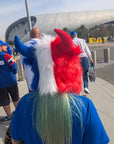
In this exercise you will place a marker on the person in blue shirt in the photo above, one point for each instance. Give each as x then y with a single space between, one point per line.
8 81
29 61
54 114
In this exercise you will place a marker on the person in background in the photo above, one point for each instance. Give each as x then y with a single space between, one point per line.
8 82
84 56
52 114
31 71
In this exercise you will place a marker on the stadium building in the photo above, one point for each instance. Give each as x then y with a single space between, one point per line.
47 22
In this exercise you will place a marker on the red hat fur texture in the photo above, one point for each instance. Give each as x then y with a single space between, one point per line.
59 64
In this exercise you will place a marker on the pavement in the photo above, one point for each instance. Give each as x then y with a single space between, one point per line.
101 93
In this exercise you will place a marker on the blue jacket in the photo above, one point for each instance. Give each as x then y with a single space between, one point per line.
8 70
92 130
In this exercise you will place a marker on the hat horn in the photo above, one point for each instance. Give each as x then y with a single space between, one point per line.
22 49
66 42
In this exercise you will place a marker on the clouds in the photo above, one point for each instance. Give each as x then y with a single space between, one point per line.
41 7
11 8
97 5
54 6
86 5
10 11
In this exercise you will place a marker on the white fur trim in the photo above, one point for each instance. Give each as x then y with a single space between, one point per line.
47 82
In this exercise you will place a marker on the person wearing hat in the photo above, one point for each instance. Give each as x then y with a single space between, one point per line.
54 113
8 82
84 56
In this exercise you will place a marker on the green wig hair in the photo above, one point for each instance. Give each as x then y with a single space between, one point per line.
54 119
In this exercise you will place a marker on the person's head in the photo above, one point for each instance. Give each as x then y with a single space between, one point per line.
35 33
3 46
73 34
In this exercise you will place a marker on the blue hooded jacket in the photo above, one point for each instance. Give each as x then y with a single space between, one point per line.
8 70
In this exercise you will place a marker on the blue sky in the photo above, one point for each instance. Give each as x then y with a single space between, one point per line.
12 10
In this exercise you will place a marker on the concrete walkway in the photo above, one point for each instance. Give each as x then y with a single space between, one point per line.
102 95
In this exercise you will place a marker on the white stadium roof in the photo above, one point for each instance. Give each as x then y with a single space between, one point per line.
47 22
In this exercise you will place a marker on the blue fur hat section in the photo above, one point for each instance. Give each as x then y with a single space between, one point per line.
22 49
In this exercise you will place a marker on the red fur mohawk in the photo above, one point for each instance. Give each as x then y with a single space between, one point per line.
67 68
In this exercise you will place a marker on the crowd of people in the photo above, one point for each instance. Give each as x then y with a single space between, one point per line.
52 112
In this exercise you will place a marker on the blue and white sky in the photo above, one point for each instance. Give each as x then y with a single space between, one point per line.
12 10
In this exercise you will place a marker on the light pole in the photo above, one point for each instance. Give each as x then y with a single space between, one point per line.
29 20
88 36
